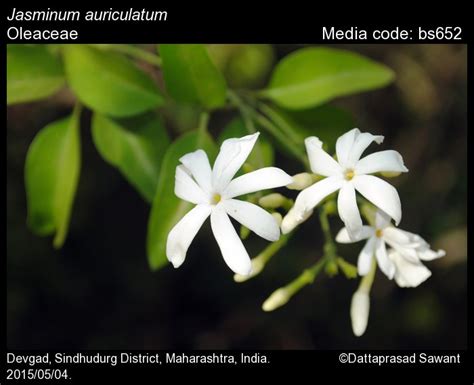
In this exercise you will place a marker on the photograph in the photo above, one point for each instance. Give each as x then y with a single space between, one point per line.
236 197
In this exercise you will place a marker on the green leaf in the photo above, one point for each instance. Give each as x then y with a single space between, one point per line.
32 73
167 209
245 66
108 82
179 117
191 76
312 76
135 146
262 154
51 177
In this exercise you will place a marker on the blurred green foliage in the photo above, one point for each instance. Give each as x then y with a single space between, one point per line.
135 146
190 75
312 76
33 73
109 83
51 177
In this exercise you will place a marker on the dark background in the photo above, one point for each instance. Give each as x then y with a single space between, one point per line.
97 292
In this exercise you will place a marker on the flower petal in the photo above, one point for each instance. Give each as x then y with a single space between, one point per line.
360 307
401 237
320 161
382 161
311 196
410 246
407 252
380 193
385 264
183 233
344 145
382 220
408 274
231 246
364 261
262 179
197 163
361 142
186 188
348 210
343 235
254 218
293 219
232 155
426 254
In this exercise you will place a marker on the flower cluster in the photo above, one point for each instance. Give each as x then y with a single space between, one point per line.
399 254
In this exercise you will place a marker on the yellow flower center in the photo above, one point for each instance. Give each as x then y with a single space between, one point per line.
216 198
378 233
349 174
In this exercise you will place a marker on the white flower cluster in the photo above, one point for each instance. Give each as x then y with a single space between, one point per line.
213 191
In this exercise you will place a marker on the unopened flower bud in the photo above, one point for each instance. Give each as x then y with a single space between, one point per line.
272 201
349 270
301 181
277 217
331 268
360 307
277 299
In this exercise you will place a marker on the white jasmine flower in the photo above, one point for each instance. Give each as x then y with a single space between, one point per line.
213 191
403 262
349 174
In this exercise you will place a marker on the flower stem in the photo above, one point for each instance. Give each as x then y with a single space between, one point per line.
250 114
329 245
295 150
244 110
281 122
273 248
307 276
248 122
368 279
259 262
282 295
131 50
202 127
203 122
